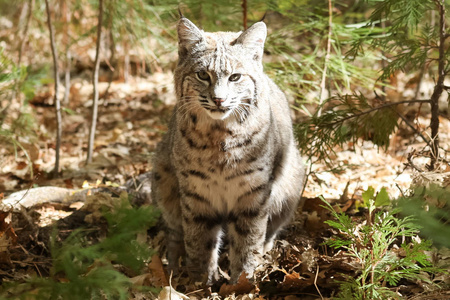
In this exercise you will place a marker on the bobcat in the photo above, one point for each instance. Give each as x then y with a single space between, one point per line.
229 159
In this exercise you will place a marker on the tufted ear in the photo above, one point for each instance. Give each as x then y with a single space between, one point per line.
188 35
253 39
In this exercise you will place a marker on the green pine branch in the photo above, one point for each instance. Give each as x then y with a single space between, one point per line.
345 119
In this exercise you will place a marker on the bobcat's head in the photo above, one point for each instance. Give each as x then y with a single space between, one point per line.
217 72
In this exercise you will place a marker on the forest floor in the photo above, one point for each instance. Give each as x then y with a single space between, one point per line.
132 119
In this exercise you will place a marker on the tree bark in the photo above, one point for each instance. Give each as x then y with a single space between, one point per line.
95 84
57 85
112 49
126 62
244 13
67 14
327 57
439 87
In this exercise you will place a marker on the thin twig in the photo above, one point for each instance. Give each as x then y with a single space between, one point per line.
307 176
315 282
112 48
194 292
411 163
439 87
26 193
170 284
126 62
95 85
419 81
68 15
57 85
374 109
37 268
400 189
414 128
327 57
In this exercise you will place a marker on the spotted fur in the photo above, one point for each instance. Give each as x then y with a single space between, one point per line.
229 159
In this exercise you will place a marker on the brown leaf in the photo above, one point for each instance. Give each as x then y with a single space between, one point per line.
142 280
69 183
291 297
21 165
243 286
313 204
7 234
309 258
168 293
293 281
349 203
159 275
313 223
8 237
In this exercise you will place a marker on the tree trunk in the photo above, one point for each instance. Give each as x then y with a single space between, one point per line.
439 87
68 54
327 57
126 62
112 48
95 84
244 13
57 85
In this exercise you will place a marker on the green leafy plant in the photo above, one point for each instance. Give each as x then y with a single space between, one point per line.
431 207
370 244
379 199
82 270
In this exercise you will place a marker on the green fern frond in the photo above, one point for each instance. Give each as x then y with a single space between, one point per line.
371 244
82 270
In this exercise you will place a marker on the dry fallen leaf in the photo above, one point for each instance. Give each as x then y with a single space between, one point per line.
8 236
309 258
168 293
159 275
243 286
293 281
142 280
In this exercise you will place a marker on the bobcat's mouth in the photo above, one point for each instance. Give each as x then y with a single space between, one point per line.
218 113
222 110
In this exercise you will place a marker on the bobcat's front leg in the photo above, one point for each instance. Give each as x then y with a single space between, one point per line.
247 232
202 233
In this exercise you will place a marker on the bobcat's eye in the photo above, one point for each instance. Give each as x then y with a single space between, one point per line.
234 77
203 75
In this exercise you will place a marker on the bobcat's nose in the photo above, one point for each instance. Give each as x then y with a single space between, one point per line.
218 101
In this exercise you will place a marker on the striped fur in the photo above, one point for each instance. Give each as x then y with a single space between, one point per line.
229 159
